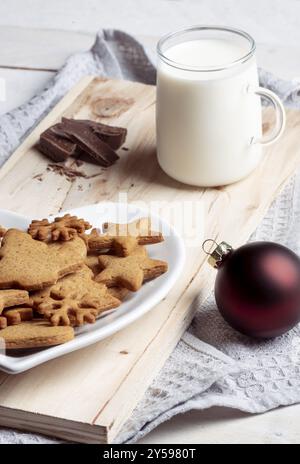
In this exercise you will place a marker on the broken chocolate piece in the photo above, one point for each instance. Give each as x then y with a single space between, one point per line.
55 146
81 137
112 135
59 133
84 136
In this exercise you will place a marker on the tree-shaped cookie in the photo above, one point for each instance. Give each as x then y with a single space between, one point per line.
130 271
123 238
10 298
74 300
62 228
28 264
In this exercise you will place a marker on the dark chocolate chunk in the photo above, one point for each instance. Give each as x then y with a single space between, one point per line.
112 135
55 130
56 147
83 135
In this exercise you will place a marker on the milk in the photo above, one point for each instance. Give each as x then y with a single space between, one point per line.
206 52
208 121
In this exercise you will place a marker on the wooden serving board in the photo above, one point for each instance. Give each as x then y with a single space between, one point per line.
88 395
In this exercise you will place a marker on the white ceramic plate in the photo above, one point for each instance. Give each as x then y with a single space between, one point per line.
135 306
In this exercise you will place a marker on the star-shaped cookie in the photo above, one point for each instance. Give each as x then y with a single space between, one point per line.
123 238
130 271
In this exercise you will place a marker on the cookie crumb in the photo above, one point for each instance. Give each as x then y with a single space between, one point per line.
124 352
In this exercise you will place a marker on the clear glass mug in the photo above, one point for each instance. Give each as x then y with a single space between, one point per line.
209 118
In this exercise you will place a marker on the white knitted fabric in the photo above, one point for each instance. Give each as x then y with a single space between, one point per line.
212 365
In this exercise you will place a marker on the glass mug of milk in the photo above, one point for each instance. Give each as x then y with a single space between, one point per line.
209 114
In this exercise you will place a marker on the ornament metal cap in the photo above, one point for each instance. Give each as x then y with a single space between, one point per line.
216 256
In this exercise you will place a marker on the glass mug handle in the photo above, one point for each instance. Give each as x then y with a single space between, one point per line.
279 113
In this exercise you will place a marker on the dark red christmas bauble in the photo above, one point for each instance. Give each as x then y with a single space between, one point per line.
257 289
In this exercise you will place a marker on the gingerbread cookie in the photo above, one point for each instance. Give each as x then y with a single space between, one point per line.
92 262
123 238
62 228
118 292
74 300
130 271
17 315
3 322
2 231
31 265
35 334
10 298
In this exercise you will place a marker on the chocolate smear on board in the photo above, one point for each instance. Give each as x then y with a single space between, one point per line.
111 107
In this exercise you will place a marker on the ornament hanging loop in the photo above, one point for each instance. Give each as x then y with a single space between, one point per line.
217 255
208 240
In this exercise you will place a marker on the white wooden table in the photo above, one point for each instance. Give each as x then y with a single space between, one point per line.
36 37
